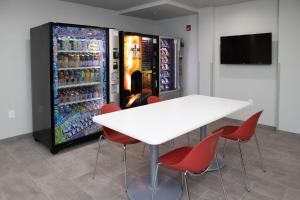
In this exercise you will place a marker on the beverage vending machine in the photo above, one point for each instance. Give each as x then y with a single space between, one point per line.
138 68
69 70
169 68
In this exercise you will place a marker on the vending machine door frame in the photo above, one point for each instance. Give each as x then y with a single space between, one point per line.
56 147
164 95
155 67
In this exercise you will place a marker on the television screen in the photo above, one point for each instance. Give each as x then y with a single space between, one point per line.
247 49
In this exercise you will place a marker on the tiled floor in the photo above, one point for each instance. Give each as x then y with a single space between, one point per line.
29 172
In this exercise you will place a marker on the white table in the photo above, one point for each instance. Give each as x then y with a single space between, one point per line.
158 123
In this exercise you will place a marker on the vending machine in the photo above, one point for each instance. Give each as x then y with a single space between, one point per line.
114 67
138 68
69 70
169 68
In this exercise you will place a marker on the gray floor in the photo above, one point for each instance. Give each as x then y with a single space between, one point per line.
29 171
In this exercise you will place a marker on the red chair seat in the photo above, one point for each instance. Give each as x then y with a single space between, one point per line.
118 137
227 132
174 156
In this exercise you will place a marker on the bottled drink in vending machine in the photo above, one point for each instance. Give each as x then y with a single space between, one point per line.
82 77
65 60
71 60
96 59
87 75
77 60
97 75
92 78
82 58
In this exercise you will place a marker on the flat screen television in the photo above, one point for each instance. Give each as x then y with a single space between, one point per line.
247 49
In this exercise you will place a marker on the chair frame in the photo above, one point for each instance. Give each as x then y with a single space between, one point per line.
184 179
244 173
124 162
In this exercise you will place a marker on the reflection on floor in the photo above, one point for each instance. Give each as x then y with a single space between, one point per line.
29 171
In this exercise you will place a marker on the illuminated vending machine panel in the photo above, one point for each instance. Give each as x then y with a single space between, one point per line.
79 73
140 60
69 82
169 86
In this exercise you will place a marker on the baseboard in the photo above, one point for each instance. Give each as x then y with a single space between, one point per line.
25 135
263 126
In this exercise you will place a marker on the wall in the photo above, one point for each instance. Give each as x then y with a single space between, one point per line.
289 53
16 18
176 27
257 82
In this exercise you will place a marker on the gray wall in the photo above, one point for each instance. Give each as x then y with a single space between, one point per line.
289 54
176 27
257 82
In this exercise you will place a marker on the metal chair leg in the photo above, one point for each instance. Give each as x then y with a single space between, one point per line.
186 186
221 177
224 147
244 169
182 180
97 156
125 169
259 153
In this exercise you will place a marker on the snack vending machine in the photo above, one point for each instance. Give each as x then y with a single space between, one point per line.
169 68
69 70
138 68
114 67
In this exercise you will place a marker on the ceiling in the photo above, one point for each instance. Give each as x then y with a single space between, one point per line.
155 9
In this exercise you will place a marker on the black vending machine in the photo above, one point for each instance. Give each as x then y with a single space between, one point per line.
139 62
69 70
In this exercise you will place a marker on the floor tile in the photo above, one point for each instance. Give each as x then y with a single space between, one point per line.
29 171
20 186
292 194
61 188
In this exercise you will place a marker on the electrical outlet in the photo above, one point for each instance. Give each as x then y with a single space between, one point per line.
11 114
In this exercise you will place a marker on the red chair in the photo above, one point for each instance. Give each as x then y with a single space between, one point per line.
193 160
153 99
242 134
114 136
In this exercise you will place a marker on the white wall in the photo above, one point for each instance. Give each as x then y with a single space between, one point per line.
16 19
257 82
176 27
289 54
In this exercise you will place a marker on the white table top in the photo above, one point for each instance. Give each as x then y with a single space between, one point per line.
160 122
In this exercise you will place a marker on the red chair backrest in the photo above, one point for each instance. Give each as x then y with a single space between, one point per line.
200 157
247 129
108 108
153 99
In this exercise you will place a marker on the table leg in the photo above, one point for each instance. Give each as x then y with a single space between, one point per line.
213 166
142 187
202 132
153 162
